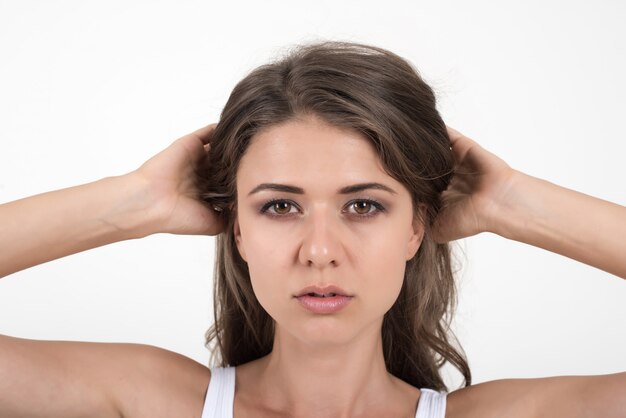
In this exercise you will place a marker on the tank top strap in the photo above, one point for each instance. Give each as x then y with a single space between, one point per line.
431 404
220 395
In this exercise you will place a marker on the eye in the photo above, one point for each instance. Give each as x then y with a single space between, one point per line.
279 207
363 208
366 208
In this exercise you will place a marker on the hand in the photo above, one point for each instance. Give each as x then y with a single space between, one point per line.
170 178
477 190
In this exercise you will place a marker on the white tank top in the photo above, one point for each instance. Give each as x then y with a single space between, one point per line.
220 397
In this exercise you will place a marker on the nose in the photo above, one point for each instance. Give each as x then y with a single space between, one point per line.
321 245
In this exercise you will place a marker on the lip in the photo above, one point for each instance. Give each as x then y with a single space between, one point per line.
320 290
326 305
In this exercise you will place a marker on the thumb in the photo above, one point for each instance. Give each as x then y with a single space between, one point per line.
454 222
440 229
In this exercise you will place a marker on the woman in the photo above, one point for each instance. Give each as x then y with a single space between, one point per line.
333 186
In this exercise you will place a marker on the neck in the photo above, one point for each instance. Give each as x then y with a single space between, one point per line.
329 380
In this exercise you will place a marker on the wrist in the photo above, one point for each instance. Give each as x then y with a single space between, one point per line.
132 213
513 212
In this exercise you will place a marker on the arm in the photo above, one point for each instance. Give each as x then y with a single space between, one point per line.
546 397
566 222
75 379
157 197
45 379
41 379
581 396
55 224
486 195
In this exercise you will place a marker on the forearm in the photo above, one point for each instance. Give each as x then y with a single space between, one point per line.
55 224
566 222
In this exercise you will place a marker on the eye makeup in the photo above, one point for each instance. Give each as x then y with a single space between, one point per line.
374 204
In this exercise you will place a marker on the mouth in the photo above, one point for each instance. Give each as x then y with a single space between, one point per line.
317 303
324 295
328 291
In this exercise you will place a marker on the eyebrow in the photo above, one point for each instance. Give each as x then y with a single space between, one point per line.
298 190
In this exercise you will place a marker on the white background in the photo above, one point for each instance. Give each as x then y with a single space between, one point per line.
93 89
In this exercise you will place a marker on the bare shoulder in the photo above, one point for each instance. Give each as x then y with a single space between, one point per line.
553 397
76 379
161 383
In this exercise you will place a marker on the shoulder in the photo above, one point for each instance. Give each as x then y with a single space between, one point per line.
76 379
512 398
553 397
160 382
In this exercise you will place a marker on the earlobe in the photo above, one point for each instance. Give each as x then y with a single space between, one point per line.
414 244
417 234
237 234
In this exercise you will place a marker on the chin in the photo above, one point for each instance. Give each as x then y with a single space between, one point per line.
321 330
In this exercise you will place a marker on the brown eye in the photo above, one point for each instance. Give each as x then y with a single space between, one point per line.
362 207
365 208
282 207
278 208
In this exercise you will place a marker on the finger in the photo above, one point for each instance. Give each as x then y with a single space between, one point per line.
453 134
205 134
439 231
461 144
457 138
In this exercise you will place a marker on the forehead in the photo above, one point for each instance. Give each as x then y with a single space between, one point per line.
310 152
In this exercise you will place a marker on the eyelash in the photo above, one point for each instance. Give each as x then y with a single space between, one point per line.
379 207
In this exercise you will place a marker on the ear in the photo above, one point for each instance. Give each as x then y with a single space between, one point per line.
237 233
417 232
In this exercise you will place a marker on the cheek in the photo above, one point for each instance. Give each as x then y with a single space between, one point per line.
373 263
268 262
385 271
382 263
266 249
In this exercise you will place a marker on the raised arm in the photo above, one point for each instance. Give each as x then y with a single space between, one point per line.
51 225
486 195
73 379
157 197
566 222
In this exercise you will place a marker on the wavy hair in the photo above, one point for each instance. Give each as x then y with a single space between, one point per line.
382 96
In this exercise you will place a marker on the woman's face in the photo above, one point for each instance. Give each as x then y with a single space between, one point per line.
315 234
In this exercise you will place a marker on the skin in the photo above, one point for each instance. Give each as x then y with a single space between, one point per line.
324 238
41 379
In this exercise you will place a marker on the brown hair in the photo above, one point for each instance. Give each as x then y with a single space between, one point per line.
380 95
